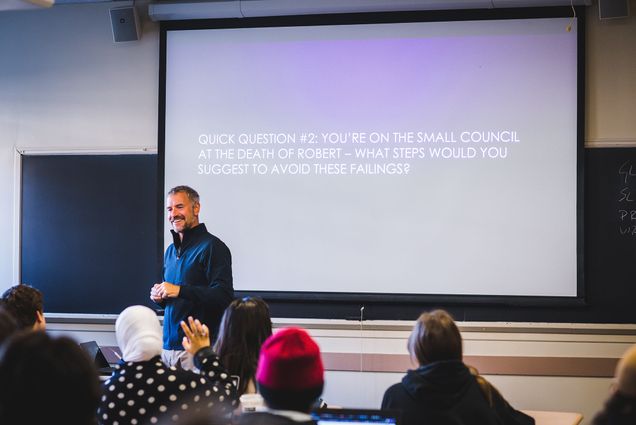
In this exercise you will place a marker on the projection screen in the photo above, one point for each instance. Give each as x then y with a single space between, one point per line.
425 158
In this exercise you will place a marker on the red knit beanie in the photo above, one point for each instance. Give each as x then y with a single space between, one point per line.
290 360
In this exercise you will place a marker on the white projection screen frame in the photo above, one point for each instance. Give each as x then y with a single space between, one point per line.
383 156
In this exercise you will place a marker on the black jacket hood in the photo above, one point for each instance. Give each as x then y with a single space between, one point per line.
442 384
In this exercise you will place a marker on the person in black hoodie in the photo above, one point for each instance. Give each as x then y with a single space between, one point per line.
442 390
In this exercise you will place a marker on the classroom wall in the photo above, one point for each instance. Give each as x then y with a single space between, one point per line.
65 86
610 88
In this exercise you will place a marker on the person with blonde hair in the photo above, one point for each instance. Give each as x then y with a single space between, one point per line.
442 390
620 408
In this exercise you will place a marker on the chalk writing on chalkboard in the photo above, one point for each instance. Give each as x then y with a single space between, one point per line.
627 199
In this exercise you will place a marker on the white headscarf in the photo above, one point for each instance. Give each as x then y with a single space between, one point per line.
138 334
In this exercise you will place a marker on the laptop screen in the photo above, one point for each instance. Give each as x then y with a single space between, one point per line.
354 416
97 356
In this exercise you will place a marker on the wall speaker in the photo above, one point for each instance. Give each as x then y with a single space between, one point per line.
610 9
125 24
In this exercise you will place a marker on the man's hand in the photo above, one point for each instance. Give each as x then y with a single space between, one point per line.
155 296
197 335
164 290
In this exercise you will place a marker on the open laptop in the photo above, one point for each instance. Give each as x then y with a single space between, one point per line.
95 353
355 416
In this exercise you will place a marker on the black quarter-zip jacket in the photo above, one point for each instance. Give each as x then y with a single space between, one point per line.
202 265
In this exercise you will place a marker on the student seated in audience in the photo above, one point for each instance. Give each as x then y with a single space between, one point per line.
620 408
290 377
442 390
46 380
25 304
245 325
8 325
143 389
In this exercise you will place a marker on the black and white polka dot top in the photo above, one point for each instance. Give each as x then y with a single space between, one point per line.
149 392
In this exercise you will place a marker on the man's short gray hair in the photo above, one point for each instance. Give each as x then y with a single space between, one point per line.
192 194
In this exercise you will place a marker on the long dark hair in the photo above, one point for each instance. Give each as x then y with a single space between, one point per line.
245 325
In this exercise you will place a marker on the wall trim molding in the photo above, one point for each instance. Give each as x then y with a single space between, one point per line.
587 367
580 367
